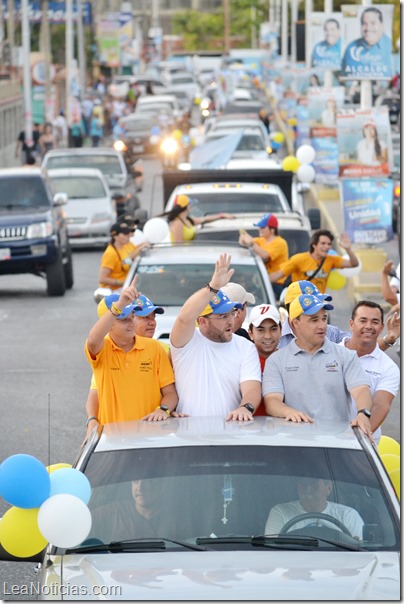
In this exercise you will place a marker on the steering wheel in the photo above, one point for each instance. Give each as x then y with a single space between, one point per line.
318 516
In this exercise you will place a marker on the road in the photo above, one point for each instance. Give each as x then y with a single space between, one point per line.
44 373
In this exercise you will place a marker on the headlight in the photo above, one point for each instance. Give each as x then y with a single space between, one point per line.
39 229
205 104
169 146
119 146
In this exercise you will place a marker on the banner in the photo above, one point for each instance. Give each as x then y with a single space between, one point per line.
326 161
367 36
364 142
108 42
325 38
367 206
56 12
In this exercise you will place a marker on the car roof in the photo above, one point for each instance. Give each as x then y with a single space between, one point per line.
214 431
196 253
83 151
22 171
92 172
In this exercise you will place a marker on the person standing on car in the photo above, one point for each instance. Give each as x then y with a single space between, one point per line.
270 246
133 374
182 225
217 373
118 256
317 264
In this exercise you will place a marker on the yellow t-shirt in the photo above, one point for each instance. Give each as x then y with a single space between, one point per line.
278 251
113 258
302 266
188 232
129 383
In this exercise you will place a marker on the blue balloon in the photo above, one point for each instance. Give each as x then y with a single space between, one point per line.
69 481
155 130
332 253
24 481
275 146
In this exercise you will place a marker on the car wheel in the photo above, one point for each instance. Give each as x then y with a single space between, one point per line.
68 268
55 277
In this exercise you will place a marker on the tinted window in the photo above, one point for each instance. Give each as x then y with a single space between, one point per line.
108 164
235 203
23 192
78 187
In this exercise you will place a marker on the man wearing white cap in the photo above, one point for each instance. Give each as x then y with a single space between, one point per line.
237 293
216 372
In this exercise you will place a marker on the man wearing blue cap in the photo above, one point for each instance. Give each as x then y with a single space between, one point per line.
217 373
133 374
310 379
270 246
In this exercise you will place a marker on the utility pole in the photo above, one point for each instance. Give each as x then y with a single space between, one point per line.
226 16
11 32
307 16
46 51
26 50
328 8
81 53
285 30
69 60
366 85
294 16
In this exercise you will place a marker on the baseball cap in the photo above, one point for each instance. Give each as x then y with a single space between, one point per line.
106 303
182 200
219 305
264 311
128 218
268 220
297 288
144 307
121 227
236 293
307 304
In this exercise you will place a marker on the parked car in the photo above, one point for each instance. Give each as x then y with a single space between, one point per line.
111 163
170 274
33 230
90 211
212 485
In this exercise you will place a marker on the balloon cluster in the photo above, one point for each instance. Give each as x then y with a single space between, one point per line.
300 164
276 139
389 451
49 505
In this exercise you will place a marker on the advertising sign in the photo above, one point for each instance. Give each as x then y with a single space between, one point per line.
367 206
325 37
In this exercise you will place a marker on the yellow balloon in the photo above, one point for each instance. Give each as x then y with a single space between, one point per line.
290 163
335 280
396 480
390 462
59 466
388 445
292 121
19 533
177 134
278 137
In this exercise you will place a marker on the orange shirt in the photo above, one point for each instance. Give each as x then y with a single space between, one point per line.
302 266
129 383
278 253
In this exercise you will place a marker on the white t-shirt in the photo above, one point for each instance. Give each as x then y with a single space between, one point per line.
382 373
283 512
208 374
366 152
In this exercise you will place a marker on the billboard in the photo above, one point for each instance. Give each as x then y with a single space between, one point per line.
325 37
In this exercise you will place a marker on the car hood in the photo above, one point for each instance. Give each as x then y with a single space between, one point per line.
87 207
235 575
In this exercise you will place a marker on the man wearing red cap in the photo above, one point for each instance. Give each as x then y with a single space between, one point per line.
272 248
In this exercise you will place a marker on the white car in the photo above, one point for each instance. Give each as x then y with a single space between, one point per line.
211 485
253 143
157 102
90 210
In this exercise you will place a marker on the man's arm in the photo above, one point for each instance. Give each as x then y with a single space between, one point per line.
251 393
184 326
247 240
381 406
275 407
353 260
276 276
363 400
169 397
393 324
388 293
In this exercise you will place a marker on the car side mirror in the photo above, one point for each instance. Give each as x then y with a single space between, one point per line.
100 293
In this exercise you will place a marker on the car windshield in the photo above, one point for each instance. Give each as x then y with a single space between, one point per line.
203 494
235 203
172 284
80 187
154 108
108 164
23 192
139 123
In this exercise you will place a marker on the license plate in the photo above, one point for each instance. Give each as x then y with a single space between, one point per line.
5 253
137 148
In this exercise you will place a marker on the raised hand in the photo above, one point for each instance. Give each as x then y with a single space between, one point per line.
222 273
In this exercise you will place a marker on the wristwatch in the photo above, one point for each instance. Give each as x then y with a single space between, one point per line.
249 407
165 408
365 412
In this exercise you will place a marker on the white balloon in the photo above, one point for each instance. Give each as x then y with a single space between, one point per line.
350 271
156 230
306 173
305 154
64 520
137 237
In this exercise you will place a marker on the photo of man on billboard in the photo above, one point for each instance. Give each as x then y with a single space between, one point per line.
327 52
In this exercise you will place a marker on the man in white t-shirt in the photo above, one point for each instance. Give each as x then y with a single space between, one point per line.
313 502
217 373
366 325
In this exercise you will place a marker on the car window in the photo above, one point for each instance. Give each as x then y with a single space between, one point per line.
251 142
297 240
217 491
172 284
80 187
23 192
108 164
235 203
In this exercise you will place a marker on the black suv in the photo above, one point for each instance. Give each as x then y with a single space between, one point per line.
33 233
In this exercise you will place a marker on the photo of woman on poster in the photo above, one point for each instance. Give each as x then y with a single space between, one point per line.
329 114
370 150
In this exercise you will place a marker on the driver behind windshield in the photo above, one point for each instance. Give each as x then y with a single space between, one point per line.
313 499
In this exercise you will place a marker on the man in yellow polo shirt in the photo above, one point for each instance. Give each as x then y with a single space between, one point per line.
316 265
134 376
272 248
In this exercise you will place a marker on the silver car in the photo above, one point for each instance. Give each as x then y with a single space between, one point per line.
205 489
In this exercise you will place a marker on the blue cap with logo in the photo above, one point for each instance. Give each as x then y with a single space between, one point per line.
144 307
307 304
297 288
220 305
106 303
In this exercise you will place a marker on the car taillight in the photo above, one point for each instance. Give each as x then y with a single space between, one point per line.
397 191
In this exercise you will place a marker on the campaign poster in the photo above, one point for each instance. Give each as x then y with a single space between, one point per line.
367 206
325 38
302 124
326 160
323 106
364 143
108 41
367 41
